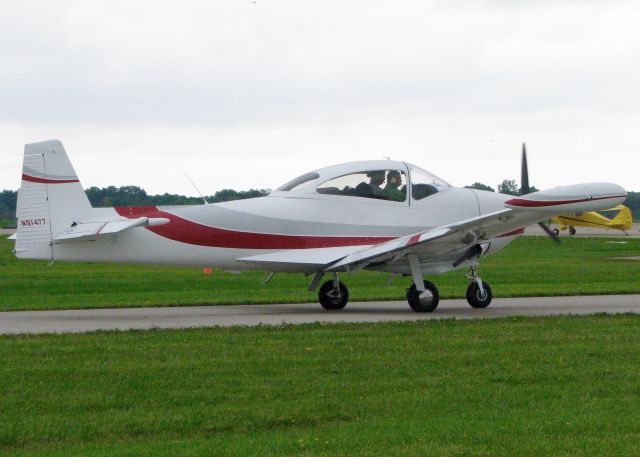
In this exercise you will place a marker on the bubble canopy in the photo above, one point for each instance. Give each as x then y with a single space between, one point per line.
378 179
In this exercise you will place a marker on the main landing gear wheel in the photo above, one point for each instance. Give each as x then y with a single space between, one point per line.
426 301
478 298
572 231
555 231
332 297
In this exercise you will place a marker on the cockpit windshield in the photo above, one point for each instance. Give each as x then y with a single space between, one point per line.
394 181
299 181
424 184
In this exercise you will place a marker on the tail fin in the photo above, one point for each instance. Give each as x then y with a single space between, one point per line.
623 218
49 200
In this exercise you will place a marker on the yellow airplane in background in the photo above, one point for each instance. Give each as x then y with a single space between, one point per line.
621 221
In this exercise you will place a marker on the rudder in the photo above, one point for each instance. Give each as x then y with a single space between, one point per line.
49 200
624 218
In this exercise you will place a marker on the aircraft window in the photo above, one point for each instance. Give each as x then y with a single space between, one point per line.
381 184
299 181
424 184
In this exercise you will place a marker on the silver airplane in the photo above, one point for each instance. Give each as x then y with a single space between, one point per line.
388 216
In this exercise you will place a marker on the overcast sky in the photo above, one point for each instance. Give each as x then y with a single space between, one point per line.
243 94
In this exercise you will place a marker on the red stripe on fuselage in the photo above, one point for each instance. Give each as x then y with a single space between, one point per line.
523 202
189 232
46 180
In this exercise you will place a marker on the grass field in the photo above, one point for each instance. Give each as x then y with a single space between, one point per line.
561 386
530 266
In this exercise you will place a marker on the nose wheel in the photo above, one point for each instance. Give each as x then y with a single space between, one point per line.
479 293
479 298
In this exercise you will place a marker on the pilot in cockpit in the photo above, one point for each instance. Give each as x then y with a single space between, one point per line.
376 180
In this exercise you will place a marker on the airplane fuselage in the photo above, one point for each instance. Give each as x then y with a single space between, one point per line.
219 234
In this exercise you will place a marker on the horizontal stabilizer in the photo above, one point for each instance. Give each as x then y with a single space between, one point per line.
91 230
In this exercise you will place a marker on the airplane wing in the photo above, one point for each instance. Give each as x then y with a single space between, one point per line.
446 243
83 231
451 242
312 259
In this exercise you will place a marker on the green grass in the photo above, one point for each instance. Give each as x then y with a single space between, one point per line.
7 222
518 386
530 266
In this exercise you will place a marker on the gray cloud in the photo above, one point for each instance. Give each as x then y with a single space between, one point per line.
559 72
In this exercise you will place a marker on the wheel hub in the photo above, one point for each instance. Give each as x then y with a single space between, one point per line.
334 296
426 297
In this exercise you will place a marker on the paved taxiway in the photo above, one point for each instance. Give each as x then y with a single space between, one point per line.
76 321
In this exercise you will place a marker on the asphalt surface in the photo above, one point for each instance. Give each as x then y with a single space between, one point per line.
77 321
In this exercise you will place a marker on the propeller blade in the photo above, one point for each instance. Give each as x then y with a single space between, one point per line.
525 189
548 231
524 173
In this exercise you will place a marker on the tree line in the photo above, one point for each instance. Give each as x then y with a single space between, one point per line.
135 196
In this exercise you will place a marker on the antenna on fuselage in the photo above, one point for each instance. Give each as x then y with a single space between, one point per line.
196 188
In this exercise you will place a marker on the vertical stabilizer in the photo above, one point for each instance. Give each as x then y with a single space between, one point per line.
49 200
624 218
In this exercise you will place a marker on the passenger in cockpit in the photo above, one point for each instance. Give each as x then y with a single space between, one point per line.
391 190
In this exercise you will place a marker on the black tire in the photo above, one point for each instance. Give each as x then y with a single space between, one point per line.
424 305
330 298
475 298
555 231
572 231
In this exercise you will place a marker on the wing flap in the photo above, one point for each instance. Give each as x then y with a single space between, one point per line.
390 249
313 258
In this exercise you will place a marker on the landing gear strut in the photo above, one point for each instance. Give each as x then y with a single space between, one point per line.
479 293
423 296
333 294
